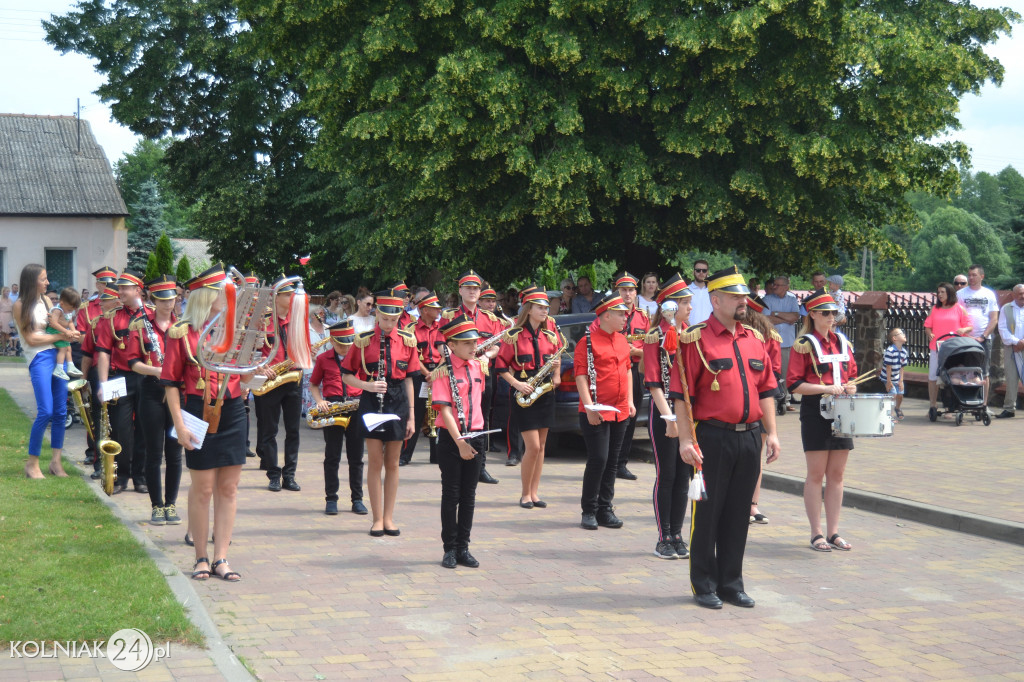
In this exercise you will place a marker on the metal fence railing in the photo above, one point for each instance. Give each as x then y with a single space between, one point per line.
908 312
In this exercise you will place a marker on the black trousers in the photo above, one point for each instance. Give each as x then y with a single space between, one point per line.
155 417
718 525
419 411
284 400
672 477
94 414
352 438
638 396
459 478
603 444
126 430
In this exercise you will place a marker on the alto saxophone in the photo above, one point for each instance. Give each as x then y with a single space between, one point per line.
81 395
484 346
108 450
536 382
284 374
430 416
335 415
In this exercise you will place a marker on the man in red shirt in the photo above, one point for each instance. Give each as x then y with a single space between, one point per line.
601 367
729 381
428 342
637 324
108 300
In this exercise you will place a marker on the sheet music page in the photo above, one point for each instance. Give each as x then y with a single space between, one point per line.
196 426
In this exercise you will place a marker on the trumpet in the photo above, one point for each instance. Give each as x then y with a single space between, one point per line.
284 372
81 394
335 415
108 450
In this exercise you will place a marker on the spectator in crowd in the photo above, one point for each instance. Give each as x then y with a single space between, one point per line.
6 320
960 281
648 293
348 306
983 309
85 294
565 300
893 362
332 309
700 300
179 301
769 286
817 280
585 297
835 289
363 320
452 301
783 312
13 295
754 284
52 295
1011 331
947 317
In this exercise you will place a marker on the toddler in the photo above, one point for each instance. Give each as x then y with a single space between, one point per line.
62 319
893 362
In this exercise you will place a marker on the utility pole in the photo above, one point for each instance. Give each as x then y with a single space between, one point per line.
78 117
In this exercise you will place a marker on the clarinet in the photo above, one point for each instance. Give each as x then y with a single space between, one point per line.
591 372
151 335
454 384
665 375
381 371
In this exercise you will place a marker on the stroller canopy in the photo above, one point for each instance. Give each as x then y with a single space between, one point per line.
963 350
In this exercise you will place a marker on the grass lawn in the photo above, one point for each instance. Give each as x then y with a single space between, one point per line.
70 570
11 359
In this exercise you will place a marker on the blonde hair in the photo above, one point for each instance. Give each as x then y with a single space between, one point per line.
197 310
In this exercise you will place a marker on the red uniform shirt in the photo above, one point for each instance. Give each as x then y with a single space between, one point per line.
470 381
637 322
530 348
327 375
400 347
89 339
744 373
804 365
279 356
86 314
774 348
429 340
181 368
654 352
488 324
145 351
115 338
611 364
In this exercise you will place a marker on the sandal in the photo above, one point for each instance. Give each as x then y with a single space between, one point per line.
839 543
819 544
759 518
229 576
201 573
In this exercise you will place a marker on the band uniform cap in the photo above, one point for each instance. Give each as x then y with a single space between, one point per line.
163 287
673 289
540 297
460 328
287 288
836 279
343 332
610 302
626 281
528 290
820 300
212 278
756 303
470 279
105 274
728 280
488 294
400 287
429 301
130 278
109 293
251 278
389 302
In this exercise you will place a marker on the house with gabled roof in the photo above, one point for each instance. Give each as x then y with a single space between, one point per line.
59 202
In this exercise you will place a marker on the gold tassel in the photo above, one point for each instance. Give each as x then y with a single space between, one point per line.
714 384
121 344
522 374
201 384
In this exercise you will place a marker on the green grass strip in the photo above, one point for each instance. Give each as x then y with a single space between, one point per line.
70 571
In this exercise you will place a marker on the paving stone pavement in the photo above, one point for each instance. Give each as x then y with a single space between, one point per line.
320 599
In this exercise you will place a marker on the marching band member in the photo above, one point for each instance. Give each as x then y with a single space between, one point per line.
731 387
285 400
115 345
150 329
526 348
429 340
821 363
215 467
382 365
601 367
637 324
327 387
401 289
672 475
91 311
457 394
756 318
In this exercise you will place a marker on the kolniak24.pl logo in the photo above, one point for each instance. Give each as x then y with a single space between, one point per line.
129 649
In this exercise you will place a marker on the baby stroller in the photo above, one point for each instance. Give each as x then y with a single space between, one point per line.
960 379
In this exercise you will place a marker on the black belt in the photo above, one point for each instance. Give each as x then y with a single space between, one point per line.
751 426
431 366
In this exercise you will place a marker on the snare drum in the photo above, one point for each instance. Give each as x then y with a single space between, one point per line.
865 416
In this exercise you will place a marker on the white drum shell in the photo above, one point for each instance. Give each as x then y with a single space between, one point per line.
869 415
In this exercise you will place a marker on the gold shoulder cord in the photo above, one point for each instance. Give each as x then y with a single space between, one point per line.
714 382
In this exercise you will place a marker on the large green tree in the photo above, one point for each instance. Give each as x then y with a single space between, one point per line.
146 162
489 131
936 249
148 225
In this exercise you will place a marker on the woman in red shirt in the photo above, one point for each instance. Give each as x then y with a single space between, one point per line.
821 363
531 344
947 317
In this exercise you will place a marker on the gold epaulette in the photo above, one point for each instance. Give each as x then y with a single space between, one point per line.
110 313
692 333
775 335
440 371
93 321
757 335
653 337
408 337
178 330
363 339
510 335
643 313
551 334
802 345
136 325
448 314
494 318
149 306
484 368
83 305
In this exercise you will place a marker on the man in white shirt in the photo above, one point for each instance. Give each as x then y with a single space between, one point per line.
983 309
700 301
783 312
1011 331
14 293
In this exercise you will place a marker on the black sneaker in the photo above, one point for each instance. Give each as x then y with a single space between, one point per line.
464 558
359 508
332 507
274 485
449 560
682 551
588 522
625 473
609 520
1005 414
665 550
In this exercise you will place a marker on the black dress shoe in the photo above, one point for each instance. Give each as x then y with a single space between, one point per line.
290 484
739 599
141 488
377 533
249 453
540 504
464 558
274 485
609 520
392 532
526 504
96 475
625 473
1005 414
708 601
588 522
89 459
512 462
119 488
449 560
485 477
403 462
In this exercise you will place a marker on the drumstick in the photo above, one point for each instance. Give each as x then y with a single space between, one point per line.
864 377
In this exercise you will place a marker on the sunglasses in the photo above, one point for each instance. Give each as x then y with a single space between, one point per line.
828 313
700 269
960 284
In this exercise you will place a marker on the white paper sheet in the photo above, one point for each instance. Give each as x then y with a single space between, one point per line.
113 389
424 390
668 417
374 419
598 407
474 434
196 426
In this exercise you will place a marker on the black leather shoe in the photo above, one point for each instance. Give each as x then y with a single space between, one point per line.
392 532
464 558
119 488
274 485
512 462
89 459
1005 414
449 560
376 533
588 522
708 601
141 488
609 520
739 599
249 453
96 475
332 507
290 484
625 473
485 477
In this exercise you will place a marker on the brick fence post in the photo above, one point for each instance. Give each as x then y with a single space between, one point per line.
869 323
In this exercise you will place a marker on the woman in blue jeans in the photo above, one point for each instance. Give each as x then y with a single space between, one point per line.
30 312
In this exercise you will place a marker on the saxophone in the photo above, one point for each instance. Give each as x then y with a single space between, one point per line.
108 450
430 415
484 346
81 395
536 382
284 374
335 415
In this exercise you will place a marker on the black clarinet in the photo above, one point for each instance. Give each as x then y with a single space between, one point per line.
454 384
381 372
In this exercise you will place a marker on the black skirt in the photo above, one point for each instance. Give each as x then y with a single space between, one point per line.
394 403
224 448
540 415
815 430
